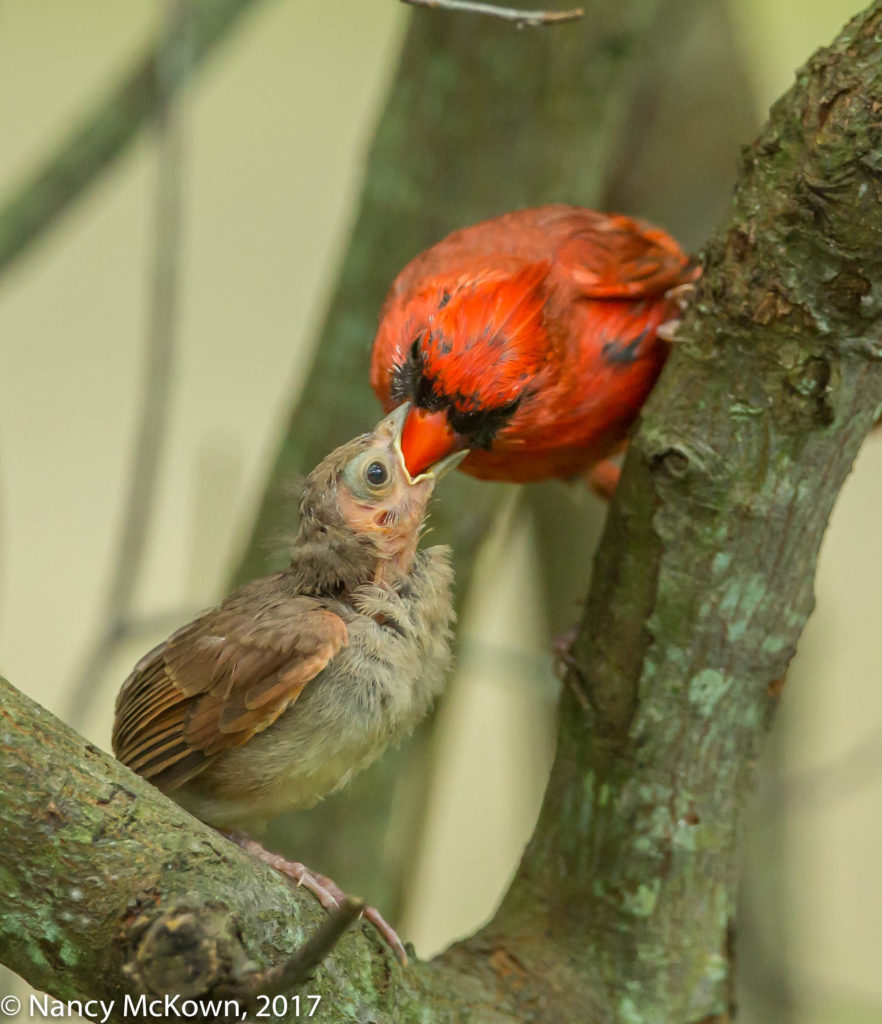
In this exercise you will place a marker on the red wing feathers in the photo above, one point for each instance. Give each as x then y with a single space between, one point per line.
606 255
623 258
551 313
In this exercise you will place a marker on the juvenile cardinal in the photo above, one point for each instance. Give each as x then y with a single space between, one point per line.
531 340
299 680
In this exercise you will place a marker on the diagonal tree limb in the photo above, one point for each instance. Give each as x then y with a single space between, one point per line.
109 890
174 59
103 134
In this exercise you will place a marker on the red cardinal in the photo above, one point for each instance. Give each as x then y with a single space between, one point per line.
531 339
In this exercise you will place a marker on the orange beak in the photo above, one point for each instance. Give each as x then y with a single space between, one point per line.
426 438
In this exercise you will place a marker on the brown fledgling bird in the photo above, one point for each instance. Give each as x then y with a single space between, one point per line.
299 680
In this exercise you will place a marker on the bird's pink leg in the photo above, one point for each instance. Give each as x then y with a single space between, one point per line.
603 478
680 297
325 889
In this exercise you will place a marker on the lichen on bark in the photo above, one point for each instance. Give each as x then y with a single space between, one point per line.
703 580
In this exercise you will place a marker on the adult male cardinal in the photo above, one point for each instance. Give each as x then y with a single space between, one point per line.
531 340
299 680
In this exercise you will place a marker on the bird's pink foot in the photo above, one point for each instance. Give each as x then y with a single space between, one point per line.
680 297
603 478
325 889
668 331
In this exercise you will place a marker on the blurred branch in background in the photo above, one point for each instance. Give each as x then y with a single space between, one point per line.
676 160
480 119
172 63
105 132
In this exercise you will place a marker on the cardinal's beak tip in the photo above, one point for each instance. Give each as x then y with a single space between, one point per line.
444 466
436 470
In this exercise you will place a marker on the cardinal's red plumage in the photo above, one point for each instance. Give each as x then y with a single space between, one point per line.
530 339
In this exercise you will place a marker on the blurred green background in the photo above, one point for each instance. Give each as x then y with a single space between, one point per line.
275 128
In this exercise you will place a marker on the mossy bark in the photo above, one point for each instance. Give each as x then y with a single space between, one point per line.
622 908
704 576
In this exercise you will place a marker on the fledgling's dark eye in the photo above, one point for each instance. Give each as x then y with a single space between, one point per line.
376 474
369 475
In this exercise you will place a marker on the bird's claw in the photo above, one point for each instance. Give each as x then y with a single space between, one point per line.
668 330
567 668
681 295
325 890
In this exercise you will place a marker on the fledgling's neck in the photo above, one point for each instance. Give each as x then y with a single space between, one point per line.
331 559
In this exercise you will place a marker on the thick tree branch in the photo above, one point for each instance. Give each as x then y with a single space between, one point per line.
622 908
703 580
108 888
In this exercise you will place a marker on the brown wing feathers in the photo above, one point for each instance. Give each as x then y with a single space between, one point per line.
217 682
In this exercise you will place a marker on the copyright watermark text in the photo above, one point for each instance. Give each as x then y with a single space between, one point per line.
164 1008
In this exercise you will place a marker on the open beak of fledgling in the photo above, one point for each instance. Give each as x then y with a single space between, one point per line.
426 445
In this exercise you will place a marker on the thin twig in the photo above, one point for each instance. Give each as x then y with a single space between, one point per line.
171 69
529 18
103 135
284 977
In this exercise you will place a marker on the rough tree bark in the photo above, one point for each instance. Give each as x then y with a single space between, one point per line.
621 910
